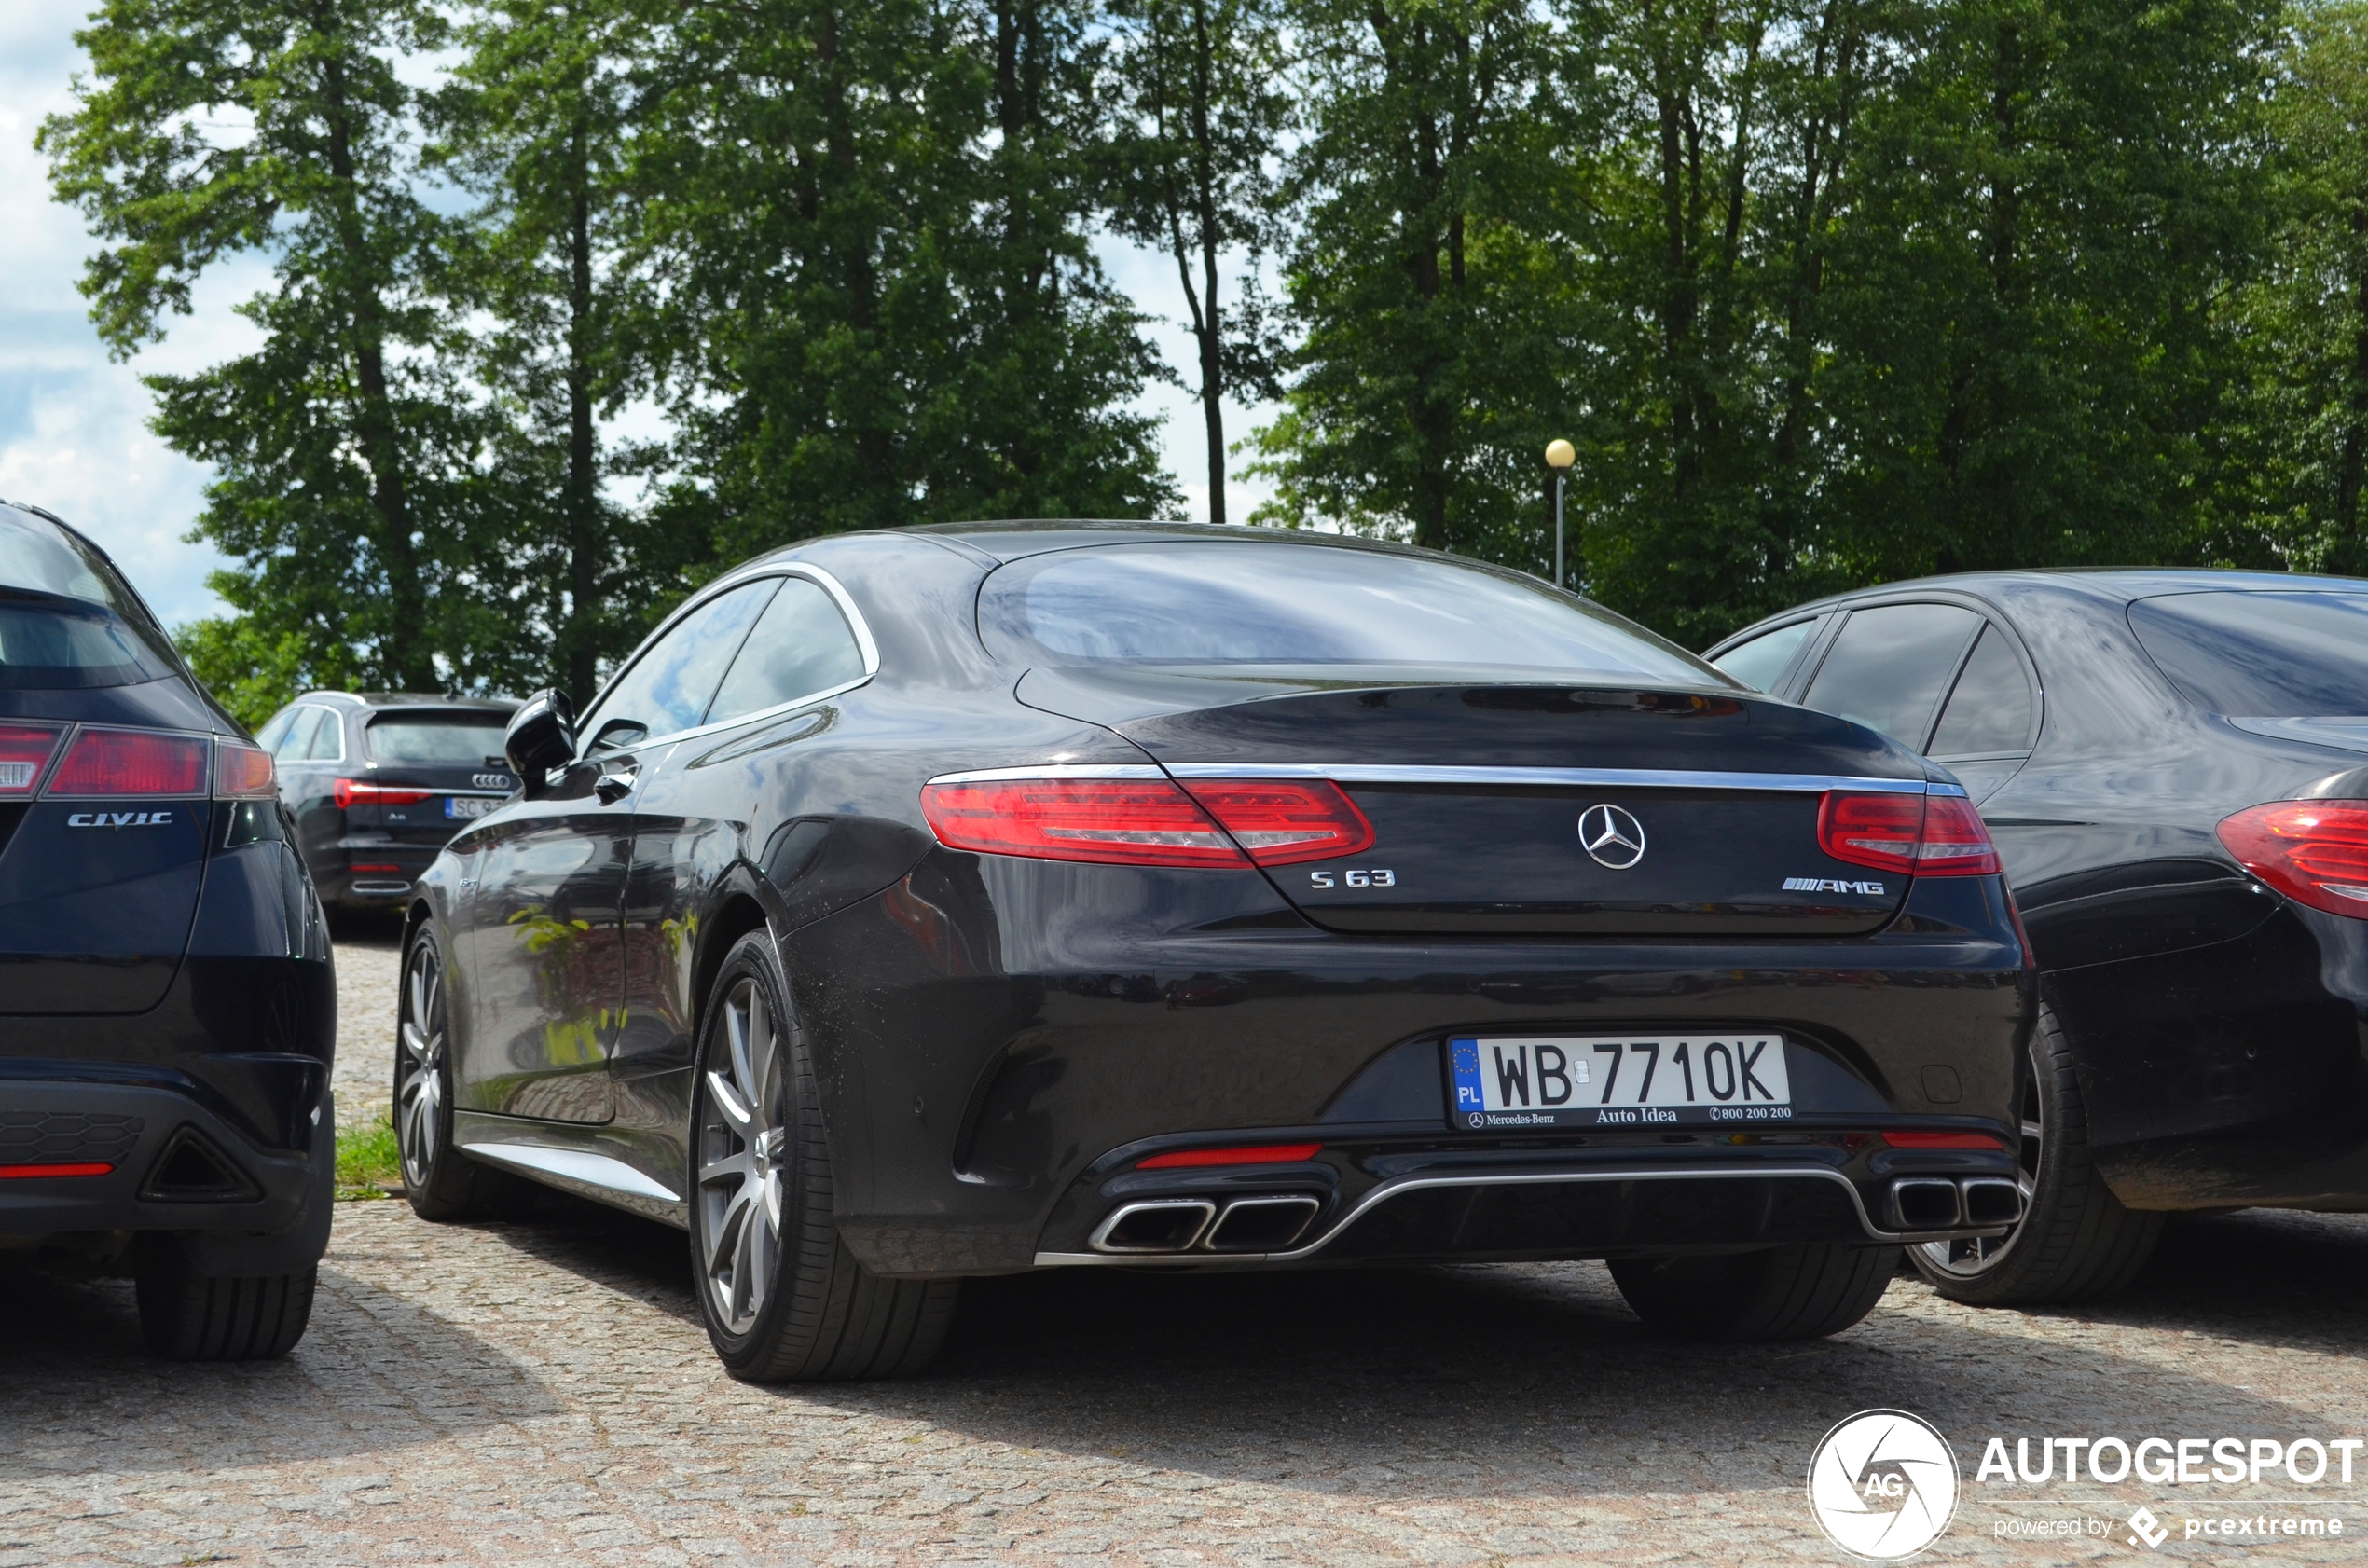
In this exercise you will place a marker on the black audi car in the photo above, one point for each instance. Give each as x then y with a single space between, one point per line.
167 1006
376 782
2174 765
967 901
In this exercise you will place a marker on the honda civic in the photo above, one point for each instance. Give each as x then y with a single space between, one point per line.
966 900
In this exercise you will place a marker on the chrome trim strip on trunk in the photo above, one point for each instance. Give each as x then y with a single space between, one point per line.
1389 1190
1588 778
1054 770
572 1164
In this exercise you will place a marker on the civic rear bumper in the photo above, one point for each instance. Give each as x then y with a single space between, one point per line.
82 1157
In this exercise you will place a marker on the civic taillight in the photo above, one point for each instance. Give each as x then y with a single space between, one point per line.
1917 836
2314 852
108 762
356 792
1148 821
241 772
24 750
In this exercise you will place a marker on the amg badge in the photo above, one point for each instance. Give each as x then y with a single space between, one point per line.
1828 884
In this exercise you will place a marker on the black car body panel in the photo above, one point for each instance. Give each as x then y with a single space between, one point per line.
2218 1025
997 1038
168 1006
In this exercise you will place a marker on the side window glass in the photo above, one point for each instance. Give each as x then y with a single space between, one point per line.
802 646
668 686
1887 667
270 734
1989 710
328 736
298 738
1761 662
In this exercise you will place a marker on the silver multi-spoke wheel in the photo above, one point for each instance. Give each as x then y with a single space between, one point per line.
1968 1257
418 1087
743 1145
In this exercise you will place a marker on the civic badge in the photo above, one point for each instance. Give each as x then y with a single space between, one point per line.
1612 835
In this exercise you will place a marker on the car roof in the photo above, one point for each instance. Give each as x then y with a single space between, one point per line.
2124 584
1016 539
388 700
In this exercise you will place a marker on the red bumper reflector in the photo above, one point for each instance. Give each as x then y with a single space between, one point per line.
29 1173
1259 1154
2314 852
1941 1140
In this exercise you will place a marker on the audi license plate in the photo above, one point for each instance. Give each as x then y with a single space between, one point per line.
467 809
1618 1081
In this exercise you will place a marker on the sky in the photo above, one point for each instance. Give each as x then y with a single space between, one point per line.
74 437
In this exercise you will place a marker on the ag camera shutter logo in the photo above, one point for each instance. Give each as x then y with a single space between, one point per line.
1883 1485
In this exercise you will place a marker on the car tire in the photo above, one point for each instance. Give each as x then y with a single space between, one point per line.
442 1183
2076 1242
187 1317
783 1299
1739 1298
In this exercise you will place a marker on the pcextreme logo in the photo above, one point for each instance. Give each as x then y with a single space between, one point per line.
1882 1485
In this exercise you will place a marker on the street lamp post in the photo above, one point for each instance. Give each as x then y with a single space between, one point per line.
1560 455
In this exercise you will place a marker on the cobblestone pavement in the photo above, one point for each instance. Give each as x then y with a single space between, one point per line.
541 1393
369 965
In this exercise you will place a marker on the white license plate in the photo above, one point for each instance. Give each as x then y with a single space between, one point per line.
1618 1081
468 807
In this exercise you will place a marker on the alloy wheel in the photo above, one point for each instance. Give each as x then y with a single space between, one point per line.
743 1145
418 1096
1974 1255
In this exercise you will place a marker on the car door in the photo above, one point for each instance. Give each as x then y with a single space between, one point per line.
307 758
697 806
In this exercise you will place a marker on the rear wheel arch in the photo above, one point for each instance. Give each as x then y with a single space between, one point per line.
735 916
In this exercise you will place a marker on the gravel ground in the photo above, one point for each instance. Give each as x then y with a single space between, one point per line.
541 1393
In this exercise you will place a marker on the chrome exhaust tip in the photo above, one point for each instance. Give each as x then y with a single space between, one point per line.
1261 1224
1992 1201
1167 1225
1924 1204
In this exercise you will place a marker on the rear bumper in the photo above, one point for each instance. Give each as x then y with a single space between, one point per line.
164 1161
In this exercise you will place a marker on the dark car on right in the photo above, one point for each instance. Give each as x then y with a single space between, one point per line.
2174 765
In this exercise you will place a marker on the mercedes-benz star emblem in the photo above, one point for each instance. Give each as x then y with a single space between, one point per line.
1612 836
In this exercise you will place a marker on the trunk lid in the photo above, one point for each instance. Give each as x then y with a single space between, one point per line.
1700 805
437 770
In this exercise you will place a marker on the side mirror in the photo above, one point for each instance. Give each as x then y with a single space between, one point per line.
540 737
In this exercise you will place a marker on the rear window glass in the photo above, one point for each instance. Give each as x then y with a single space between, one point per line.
66 619
2262 655
1220 602
476 741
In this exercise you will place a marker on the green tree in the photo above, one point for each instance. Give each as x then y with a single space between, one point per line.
537 119
344 453
880 305
1199 114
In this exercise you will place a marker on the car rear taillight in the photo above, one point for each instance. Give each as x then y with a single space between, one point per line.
2314 852
241 772
1108 821
1283 822
131 763
1919 836
24 749
355 791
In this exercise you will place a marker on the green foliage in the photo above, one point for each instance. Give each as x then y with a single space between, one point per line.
251 670
369 1160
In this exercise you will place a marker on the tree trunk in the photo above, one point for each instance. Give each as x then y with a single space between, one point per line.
405 661
581 637
873 446
1210 326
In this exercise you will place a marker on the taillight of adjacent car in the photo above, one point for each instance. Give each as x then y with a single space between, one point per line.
1149 821
360 791
111 764
2314 852
1916 836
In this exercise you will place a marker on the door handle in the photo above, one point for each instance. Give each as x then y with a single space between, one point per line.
613 787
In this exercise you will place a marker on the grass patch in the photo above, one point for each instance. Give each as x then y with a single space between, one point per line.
366 1158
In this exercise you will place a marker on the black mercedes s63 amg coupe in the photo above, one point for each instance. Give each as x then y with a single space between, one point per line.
966 900
167 1007
2175 766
